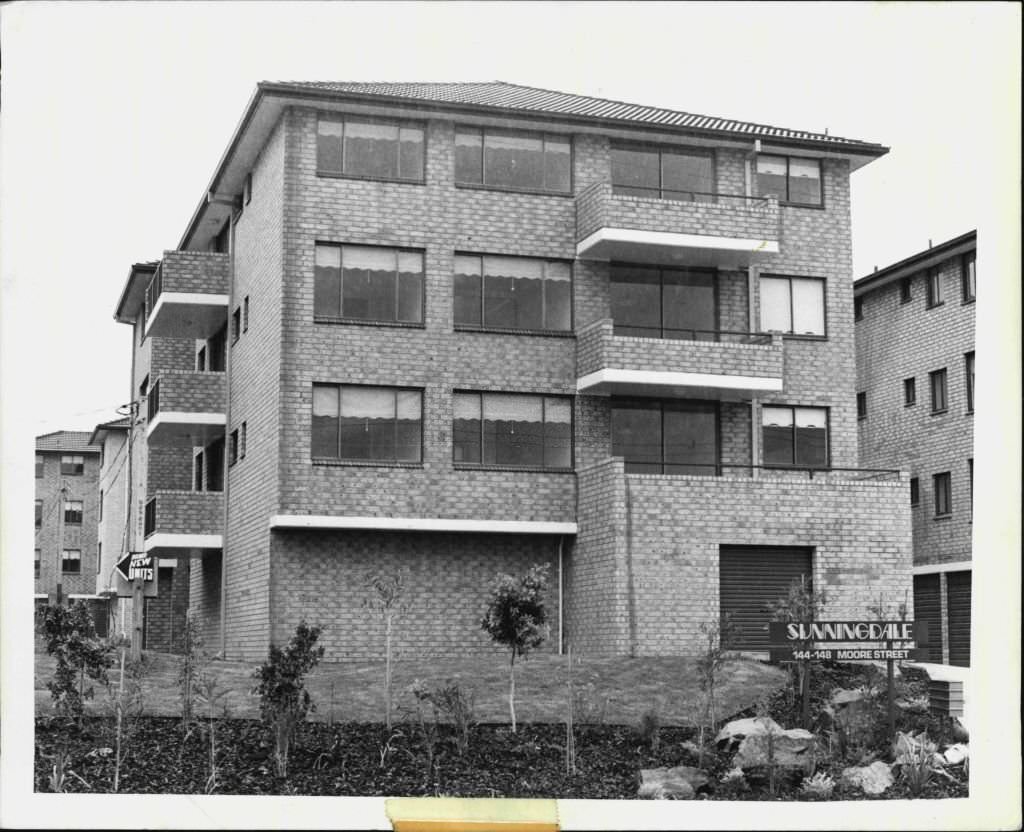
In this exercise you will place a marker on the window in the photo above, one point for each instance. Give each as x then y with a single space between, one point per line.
795 436
236 325
666 437
71 561
943 498
375 149
144 387
512 160
512 429
934 288
247 189
72 465
368 284
858 309
39 513
790 179
367 423
39 561
201 360
967 281
233 447
99 557
650 302
970 475
862 405
245 314
73 512
969 379
39 466
909 391
661 173
242 440
197 472
793 305
218 346
937 382
213 456
513 293
915 491
905 290
100 507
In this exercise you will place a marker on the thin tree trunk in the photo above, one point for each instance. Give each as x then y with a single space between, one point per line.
512 690
387 671
119 709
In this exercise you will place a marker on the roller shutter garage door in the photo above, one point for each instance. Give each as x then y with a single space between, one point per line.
958 610
928 609
750 578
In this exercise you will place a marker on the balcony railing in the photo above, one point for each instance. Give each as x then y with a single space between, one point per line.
153 401
186 408
696 469
154 290
149 518
187 296
184 520
721 336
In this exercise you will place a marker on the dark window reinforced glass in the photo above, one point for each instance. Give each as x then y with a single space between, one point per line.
513 160
198 482
792 180
236 325
218 349
201 360
970 475
367 283
39 513
99 557
243 439
355 423
214 458
72 465
512 429
666 437
905 284
512 293
909 391
968 285
943 494
73 512
245 314
937 382
379 150
39 561
862 405
39 465
793 305
99 511
858 309
934 283
796 436
663 173
915 491
652 302
969 379
233 447
71 561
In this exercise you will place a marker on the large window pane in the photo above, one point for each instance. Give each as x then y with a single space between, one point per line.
777 435
328 146
811 437
775 308
771 176
469 157
371 149
684 175
513 161
808 307
367 423
688 305
513 292
368 283
410 287
513 430
636 301
805 181
557 164
408 425
327 281
468 291
410 161
635 172
636 436
325 421
557 296
690 439
466 427
557 433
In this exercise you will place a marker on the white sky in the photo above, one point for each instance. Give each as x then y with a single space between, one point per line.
114 116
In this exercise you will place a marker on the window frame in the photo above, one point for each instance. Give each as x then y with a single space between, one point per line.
245 314
662 270
99 508
73 516
660 149
494 466
787 202
242 439
915 492
862 405
969 284
73 468
906 290
642 403
40 466
391 463
344 119
39 514
945 491
233 448
791 277
66 556
793 464
969 379
910 391
933 377
236 325
858 308
341 318
933 285
482 185
38 562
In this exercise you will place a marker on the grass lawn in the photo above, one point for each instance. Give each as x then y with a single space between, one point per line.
622 687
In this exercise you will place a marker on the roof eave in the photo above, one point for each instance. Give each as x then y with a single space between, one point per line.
916 263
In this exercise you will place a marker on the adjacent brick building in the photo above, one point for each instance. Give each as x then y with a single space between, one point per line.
915 380
457 329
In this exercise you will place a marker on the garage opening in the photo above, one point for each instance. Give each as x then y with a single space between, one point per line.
750 579
928 609
958 610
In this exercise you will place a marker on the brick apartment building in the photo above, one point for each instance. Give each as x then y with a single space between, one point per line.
67 511
458 329
915 383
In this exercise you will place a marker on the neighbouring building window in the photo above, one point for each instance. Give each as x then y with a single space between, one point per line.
197 472
201 360
367 423
39 561
513 293
39 513
934 288
790 179
967 281
793 305
651 302
512 429
943 496
214 459
376 149
99 557
858 309
663 173
915 491
39 465
100 506
242 439
73 512
862 405
245 314
937 382
666 437
969 379
247 189
795 436
367 283
236 325
233 447
72 465
513 160
909 391
905 289
71 561
970 475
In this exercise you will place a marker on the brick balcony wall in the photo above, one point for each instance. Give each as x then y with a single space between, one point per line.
192 392
199 272
597 348
189 512
730 216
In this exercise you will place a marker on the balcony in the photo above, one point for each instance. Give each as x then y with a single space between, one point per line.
188 295
184 523
186 409
715 365
726 230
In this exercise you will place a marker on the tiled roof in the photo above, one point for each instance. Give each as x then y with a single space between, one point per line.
504 96
74 441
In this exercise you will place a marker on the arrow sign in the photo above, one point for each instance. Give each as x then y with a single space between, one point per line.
136 565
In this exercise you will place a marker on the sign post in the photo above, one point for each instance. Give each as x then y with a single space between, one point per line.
137 569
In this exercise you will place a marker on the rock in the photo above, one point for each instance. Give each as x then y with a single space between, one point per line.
956 754
959 730
740 728
792 749
680 783
845 697
872 779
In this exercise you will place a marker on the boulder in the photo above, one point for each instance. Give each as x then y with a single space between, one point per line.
680 783
738 729
872 779
956 754
792 749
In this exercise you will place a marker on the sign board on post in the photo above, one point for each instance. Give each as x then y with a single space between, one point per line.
134 565
862 640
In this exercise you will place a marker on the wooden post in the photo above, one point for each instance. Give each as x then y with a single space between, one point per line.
137 607
805 710
892 705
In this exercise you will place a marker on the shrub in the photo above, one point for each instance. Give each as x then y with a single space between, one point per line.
190 666
801 603
733 782
457 704
818 787
71 638
284 701
126 703
517 618
715 636
425 725
649 729
918 760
